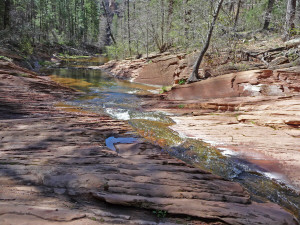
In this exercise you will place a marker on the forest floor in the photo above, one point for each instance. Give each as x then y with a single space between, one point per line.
56 169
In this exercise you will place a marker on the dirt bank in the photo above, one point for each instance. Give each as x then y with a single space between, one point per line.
56 169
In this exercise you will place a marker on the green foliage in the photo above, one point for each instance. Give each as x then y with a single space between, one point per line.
160 213
294 31
67 56
46 63
278 15
115 51
254 17
149 26
106 186
293 56
71 21
26 46
164 89
181 106
5 58
182 81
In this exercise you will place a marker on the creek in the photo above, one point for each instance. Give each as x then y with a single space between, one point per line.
121 100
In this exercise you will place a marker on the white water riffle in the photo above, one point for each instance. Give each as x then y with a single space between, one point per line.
120 114
129 114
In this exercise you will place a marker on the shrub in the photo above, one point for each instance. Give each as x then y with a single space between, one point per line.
26 46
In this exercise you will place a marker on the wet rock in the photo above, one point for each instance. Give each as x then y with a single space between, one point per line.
63 156
262 130
59 191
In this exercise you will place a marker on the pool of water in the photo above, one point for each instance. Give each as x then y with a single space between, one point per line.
111 141
120 99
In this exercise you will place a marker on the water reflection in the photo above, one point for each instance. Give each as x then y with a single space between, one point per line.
111 141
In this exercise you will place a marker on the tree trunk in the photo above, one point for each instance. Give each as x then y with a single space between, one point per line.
169 21
128 27
268 14
237 13
195 74
162 28
108 29
186 20
6 16
290 19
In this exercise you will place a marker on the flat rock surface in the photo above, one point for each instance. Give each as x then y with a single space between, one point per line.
241 84
56 169
253 114
263 130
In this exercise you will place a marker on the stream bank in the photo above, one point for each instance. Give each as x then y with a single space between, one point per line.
245 105
251 118
55 164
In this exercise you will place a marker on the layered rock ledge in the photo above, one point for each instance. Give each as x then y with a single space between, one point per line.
254 114
54 165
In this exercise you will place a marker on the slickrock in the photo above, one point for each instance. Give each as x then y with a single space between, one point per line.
54 165
252 136
160 71
249 83
166 69
257 117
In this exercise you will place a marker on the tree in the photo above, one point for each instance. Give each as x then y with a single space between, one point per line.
6 15
268 14
195 74
237 13
108 22
290 19
137 26
128 26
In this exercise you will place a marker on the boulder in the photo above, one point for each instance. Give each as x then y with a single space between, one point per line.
278 61
241 84
160 71
292 43
229 85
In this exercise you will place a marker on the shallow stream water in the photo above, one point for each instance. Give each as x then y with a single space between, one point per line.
120 99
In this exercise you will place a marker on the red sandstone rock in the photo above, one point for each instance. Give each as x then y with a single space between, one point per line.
159 72
248 83
63 157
